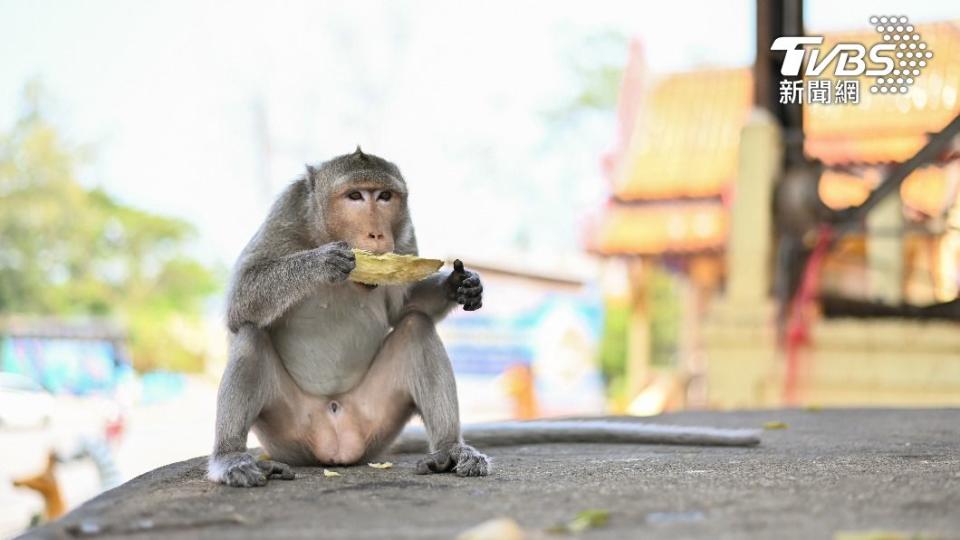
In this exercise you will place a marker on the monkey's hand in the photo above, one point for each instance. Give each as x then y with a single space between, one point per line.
336 261
462 459
464 287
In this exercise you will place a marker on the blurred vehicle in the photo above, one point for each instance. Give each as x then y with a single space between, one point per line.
23 403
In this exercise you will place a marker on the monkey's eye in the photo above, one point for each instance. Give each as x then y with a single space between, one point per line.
355 196
385 196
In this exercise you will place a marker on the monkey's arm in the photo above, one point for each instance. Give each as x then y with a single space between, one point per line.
437 294
265 287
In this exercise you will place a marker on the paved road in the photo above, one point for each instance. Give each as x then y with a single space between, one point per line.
829 471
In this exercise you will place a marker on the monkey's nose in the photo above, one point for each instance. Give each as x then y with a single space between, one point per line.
375 242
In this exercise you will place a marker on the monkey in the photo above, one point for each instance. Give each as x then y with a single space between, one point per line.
326 371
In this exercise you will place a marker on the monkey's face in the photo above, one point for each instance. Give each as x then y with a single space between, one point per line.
365 215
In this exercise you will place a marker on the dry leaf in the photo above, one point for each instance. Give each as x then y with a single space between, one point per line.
329 474
775 425
390 268
494 529
384 465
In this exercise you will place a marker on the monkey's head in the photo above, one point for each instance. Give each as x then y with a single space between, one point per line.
363 201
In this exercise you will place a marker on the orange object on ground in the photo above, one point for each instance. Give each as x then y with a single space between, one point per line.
46 484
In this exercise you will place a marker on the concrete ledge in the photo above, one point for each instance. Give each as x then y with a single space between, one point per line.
828 471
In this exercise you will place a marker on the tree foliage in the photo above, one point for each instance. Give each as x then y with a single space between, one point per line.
596 62
66 250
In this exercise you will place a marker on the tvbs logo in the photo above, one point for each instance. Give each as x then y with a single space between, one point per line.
894 62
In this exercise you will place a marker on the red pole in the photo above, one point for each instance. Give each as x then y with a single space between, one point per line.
798 327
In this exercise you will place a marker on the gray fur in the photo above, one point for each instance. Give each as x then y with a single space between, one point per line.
573 431
294 263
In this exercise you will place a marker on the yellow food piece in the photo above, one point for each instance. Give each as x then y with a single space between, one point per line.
391 268
328 474
775 425
384 465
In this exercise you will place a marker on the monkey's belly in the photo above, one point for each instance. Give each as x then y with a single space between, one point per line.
328 341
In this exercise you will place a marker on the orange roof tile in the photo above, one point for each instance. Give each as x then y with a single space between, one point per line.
687 142
650 229
886 127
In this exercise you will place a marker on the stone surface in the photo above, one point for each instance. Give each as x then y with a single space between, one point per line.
829 471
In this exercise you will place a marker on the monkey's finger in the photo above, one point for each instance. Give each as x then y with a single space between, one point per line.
465 290
472 280
458 266
343 265
346 254
469 301
473 306
341 250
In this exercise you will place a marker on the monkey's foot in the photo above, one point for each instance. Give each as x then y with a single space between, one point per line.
462 459
240 469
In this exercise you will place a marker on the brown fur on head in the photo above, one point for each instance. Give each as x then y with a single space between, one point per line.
363 200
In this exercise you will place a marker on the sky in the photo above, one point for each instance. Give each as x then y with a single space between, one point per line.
206 110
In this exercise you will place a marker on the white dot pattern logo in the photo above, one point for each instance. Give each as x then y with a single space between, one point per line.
911 53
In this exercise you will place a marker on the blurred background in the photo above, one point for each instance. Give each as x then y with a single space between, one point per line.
656 229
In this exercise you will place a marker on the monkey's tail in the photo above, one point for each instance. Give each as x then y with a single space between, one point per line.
576 431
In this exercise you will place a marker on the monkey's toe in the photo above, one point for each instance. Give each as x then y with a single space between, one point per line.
238 470
436 462
276 469
462 459
245 475
472 463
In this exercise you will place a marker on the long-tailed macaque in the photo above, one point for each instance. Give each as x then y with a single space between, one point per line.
327 371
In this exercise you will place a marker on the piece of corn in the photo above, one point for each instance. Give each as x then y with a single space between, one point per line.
391 268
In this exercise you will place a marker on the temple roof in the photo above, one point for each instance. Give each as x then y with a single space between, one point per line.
681 156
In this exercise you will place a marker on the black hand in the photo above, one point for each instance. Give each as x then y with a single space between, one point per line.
464 286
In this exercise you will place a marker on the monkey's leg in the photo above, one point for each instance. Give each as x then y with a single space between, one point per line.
412 371
248 383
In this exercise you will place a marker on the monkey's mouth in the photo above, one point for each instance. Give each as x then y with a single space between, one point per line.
367 286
